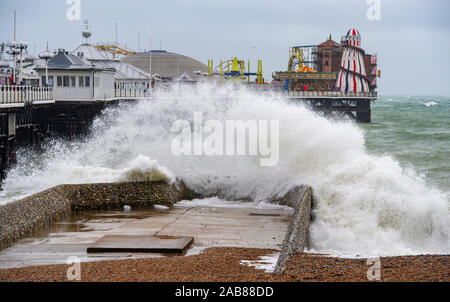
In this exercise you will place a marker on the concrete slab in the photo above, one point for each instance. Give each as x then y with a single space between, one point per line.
210 226
264 215
140 244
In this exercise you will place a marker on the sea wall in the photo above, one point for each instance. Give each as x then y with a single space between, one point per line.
296 238
21 218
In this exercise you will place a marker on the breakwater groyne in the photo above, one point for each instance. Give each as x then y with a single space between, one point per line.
296 240
21 218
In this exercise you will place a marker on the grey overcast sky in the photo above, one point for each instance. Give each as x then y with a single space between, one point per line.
412 38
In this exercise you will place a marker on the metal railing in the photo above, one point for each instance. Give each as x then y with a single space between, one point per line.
11 94
131 93
144 93
329 94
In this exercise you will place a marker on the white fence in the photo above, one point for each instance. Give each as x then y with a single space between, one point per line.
10 94
329 94
131 93
143 93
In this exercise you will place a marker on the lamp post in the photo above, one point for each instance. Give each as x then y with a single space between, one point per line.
46 55
14 51
22 47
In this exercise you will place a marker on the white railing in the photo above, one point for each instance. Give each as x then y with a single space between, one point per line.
130 92
11 94
329 94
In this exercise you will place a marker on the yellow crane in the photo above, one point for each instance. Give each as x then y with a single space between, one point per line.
237 72
114 49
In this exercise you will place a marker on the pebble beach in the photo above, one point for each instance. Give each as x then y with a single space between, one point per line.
224 265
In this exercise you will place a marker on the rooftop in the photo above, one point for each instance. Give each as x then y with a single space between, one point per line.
90 53
166 64
124 71
66 60
329 43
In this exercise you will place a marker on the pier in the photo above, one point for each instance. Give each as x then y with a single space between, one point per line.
18 123
337 104
28 114
355 106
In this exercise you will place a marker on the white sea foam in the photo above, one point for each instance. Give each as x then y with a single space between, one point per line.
217 202
430 104
265 263
363 204
143 168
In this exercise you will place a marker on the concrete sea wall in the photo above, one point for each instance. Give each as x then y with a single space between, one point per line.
21 218
297 233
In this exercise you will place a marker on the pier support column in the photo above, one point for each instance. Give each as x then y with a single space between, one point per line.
327 108
12 124
363 112
8 150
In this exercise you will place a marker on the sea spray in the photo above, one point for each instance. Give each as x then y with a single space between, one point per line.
144 169
363 204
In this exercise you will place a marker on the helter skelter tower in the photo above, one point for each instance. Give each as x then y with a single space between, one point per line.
352 72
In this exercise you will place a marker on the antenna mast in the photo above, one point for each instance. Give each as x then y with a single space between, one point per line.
86 32
14 25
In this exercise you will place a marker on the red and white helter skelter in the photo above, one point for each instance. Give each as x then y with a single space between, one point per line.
352 72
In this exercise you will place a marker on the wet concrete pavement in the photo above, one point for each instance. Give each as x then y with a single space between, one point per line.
210 227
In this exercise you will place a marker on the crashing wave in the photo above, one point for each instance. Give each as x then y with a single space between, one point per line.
363 204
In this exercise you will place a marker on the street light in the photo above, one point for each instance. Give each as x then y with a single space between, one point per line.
22 46
14 51
46 55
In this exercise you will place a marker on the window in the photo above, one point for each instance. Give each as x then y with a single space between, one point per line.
50 81
66 81
87 81
81 81
43 81
73 81
59 81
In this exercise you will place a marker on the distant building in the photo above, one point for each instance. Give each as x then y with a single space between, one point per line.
74 78
6 72
28 75
167 65
126 75
328 56
320 72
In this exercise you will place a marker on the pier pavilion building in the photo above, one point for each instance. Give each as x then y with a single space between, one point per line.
75 79
126 75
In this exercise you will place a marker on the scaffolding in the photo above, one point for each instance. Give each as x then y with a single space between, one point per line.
114 49
234 71
301 56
